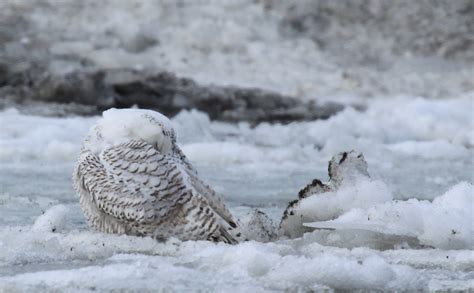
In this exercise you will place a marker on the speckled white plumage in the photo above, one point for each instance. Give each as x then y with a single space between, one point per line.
132 178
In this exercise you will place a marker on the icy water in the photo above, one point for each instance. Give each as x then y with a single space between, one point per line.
421 151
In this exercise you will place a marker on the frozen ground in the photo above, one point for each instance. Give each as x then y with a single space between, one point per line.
421 149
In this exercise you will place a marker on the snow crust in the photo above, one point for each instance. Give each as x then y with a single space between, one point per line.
91 261
447 222
420 158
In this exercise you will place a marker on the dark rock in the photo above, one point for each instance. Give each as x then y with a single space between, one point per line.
3 75
169 94
163 91
81 88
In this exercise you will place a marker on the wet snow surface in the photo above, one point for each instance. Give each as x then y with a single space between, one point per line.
422 151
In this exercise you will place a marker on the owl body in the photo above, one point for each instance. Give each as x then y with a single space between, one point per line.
132 178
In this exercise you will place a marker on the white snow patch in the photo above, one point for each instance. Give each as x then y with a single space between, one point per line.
363 193
52 220
122 125
34 137
446 223
430 149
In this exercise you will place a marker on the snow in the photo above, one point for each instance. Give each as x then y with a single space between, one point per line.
435 149
52 220
363 194
447 222
88 261
122 125
32 137
420 150
414 202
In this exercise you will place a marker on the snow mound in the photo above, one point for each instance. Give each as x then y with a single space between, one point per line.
349 187
257 226
446 223
122 125
363 194
34 137
52 220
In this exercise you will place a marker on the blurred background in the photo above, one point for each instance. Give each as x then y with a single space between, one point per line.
250 60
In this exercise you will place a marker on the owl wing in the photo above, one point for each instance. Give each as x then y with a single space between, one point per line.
136 184
214 200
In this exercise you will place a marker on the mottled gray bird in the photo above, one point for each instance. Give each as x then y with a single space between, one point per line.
132 178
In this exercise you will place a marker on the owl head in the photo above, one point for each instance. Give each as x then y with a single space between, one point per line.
347 166
122 125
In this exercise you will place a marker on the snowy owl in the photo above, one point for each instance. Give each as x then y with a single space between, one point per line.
132 178
344 167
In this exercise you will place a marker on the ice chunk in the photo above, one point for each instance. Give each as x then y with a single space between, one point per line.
330 205
349 187
257 226
335 271
193 126
363 194
52 220
447 222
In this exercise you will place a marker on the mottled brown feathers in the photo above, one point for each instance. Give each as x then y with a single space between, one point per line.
131 188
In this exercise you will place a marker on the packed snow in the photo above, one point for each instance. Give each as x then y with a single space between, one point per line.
427 221
420 205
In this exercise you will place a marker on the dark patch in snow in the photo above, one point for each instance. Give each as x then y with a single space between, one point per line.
95 91
344 157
